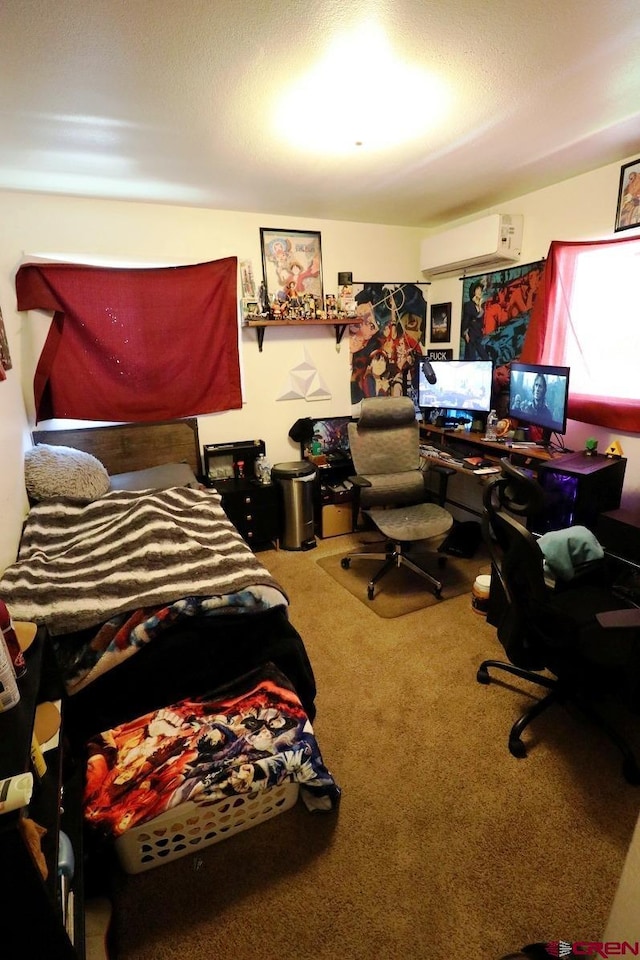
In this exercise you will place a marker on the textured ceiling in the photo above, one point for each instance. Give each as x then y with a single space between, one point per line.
175 102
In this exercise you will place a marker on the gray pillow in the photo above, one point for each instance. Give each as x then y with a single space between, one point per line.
156 478
52 471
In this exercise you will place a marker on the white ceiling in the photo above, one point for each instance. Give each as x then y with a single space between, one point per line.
167 101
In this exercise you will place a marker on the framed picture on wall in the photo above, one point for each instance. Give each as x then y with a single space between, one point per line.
628 212
440 331
292 263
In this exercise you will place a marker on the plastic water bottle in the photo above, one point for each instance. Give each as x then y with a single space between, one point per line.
262 469
492 423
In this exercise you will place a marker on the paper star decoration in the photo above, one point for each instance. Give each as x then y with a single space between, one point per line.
305 382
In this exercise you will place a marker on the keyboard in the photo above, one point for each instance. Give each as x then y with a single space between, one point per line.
455 455
444 454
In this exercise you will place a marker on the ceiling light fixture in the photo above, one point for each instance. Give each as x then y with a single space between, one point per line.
360 93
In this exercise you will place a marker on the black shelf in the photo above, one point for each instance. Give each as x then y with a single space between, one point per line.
24 892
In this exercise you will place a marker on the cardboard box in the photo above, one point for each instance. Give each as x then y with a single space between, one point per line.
336 519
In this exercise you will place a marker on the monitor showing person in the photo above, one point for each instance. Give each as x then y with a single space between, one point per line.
538 395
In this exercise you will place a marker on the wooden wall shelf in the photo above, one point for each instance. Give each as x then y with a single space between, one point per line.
261 325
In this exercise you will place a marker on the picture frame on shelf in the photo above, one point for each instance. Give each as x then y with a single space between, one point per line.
291 257
440 328
250 309
628 209
247 279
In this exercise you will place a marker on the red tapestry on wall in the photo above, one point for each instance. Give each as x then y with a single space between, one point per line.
135 344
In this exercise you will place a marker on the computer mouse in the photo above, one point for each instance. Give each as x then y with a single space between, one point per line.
427 369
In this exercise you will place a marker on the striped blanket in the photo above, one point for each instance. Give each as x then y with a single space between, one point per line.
80 564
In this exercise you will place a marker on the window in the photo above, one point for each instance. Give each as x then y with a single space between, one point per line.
586 318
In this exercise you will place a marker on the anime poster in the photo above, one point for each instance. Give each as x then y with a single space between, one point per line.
385 339
5 356
496 308
292 264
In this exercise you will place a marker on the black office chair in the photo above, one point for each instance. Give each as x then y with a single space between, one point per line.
556 628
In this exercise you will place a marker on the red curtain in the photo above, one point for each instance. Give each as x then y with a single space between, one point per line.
135 344
551 324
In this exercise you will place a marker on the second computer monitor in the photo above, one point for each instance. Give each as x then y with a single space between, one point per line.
456 385
539 395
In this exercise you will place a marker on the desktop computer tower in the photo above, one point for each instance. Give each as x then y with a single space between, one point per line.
578 488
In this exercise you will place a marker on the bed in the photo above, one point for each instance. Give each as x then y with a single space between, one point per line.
148 592
190 694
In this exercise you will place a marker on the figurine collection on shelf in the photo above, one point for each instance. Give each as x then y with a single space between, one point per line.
292 305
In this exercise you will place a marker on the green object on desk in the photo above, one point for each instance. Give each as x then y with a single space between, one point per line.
591 445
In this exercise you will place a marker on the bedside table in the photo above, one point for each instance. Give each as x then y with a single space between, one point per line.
252 508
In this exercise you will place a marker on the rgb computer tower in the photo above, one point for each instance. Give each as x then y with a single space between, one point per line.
578 488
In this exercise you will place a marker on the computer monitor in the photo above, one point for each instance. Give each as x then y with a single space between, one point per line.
331 434
538 396
455 384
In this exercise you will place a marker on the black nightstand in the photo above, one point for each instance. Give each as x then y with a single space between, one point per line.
252 508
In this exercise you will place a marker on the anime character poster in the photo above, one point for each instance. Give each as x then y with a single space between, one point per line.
496 308
292 264
385 339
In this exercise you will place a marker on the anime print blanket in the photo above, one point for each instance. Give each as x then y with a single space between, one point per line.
248 737
132 562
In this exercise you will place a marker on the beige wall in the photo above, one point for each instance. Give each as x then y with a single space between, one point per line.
581 208
119 232
148 233
624 919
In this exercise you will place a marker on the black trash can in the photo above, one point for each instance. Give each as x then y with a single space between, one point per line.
294 481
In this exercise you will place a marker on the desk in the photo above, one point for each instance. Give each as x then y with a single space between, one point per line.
526 455
466 494
456 492
619 533
577 486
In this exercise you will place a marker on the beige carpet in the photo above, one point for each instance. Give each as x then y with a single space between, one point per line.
402 591
445 846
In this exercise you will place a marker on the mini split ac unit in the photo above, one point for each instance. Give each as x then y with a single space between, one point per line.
489 243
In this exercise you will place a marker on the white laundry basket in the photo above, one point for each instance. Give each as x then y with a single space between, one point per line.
190 826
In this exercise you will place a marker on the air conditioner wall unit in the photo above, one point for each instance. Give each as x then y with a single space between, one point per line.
492 242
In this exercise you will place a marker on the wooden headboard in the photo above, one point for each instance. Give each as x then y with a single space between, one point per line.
133 446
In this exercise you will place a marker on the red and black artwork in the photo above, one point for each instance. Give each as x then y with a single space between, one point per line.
496 308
